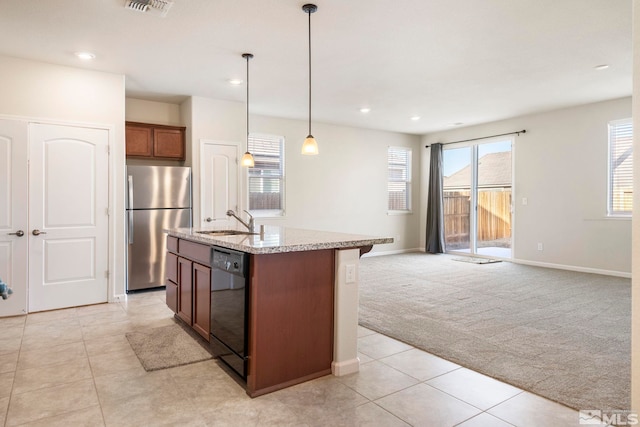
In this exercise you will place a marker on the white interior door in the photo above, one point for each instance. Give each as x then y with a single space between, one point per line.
68 219
218 183
13 215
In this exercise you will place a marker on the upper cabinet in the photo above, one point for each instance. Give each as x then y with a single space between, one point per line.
149 141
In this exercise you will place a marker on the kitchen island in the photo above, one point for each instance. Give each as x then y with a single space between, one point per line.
302 291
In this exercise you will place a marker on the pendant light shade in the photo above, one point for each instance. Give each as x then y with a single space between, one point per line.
247 158
310 146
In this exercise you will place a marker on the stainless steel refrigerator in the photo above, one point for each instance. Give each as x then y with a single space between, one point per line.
158 197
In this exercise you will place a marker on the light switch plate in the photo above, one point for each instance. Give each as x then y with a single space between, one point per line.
351 273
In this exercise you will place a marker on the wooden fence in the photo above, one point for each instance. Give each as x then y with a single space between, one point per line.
494 215
265 200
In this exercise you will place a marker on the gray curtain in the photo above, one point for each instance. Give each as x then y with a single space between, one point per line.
435 204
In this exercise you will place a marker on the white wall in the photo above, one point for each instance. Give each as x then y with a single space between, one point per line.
159 113
210 119
635 282
561 168
35 90
344 188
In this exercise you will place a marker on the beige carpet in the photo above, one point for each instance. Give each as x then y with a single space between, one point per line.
560 334
166 347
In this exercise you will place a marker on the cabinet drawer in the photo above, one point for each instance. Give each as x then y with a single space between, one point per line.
195 251
172 244
171 267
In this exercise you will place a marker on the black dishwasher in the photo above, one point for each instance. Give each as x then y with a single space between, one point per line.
229 307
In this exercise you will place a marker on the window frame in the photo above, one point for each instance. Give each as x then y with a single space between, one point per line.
267 213
611 184
407 181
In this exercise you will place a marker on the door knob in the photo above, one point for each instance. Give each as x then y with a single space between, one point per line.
37 232
18 233
209 219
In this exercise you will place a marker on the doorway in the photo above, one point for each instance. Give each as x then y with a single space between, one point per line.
477 190
54 243
218 183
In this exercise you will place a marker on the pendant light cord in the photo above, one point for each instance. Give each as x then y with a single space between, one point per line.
248 102
309 13
247 56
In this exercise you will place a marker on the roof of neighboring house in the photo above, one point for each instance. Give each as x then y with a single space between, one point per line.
494 170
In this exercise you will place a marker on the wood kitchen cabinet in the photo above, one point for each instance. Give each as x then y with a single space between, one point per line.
185 290
290 319
171 265
149 141
188 284
201 299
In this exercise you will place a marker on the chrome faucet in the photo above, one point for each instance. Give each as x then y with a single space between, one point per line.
250 226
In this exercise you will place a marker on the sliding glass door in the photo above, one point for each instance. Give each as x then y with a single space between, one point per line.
477 198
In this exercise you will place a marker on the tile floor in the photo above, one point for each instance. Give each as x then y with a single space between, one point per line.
75 367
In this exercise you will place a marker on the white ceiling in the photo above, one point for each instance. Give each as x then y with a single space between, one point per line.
447 61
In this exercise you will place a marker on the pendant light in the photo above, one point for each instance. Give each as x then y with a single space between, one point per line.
310 146
247 158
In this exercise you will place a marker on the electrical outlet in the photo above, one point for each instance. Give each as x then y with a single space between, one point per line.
525 201
540 247
351 273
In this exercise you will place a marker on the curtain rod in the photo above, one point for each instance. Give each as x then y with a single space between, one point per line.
518 132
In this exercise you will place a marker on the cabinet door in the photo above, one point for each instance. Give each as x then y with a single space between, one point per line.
138 141
168 143
185 290
172 295
201 299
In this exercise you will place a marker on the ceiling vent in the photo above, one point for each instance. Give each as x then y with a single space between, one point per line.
155 7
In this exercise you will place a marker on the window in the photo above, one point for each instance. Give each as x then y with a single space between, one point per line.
399 185
620 168
266 179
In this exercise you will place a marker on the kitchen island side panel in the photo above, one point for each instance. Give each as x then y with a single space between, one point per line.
290 318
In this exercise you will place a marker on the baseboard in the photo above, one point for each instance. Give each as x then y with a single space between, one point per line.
345 367
394 252
527 262
573 268
118 298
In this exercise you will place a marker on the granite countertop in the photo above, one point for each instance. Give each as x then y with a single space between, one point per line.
280 239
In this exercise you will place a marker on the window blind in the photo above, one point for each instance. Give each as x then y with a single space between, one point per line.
399 178
266 178
620 167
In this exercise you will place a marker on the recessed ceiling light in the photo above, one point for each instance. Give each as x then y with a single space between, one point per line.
365 110
236 82
415 118
86 56
601 67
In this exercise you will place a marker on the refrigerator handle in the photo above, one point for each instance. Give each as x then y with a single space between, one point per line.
130 210
130 192
130 226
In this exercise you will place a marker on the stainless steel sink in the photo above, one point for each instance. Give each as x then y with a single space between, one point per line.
226 232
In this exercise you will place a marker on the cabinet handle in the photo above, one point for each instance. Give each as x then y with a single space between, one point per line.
37 232
18 233
209 219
